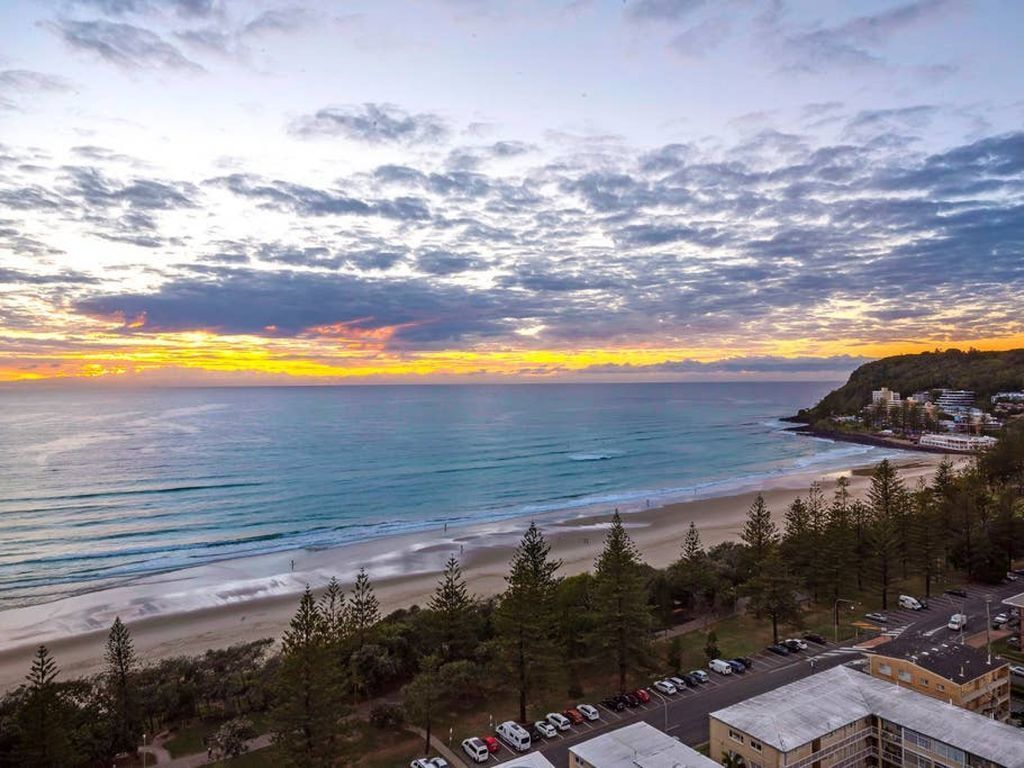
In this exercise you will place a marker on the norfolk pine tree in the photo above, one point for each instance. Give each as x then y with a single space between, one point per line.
620 603
308 707
42 723
121 667
363 609
772 593
453 612
525 619
760 533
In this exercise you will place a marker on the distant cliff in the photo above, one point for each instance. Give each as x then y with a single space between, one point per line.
983 372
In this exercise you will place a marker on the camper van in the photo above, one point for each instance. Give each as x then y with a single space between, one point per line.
957 622
514 735
910 603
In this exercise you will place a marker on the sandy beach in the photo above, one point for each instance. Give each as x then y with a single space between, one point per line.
189 611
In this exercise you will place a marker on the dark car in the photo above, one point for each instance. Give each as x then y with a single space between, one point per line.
737 666
535 736
689 679
957 592
631 701
777 649
746 660
614 703
814 637
792 645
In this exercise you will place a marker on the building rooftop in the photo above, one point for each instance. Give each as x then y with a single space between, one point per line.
530 760
795 714
957 663
639 746
1017 601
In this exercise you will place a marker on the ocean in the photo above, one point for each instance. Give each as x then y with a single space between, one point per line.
98 487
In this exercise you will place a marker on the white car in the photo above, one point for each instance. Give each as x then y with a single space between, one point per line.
421 764
720 666
588 711
438 762
1017 669
1002 618
664 686
561 722
796 641
678 682
547 730
476 749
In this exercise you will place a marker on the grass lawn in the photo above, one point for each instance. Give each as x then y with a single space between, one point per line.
190 738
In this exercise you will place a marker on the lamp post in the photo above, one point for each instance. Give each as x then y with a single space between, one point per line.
144 753
835 613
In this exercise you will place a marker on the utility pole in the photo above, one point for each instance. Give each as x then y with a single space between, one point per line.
988 628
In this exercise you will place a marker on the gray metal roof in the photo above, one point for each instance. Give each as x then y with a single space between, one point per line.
957 663
794 714
529 760
1017 601
639 746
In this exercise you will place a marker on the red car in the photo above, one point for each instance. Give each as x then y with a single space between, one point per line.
492 743
643 695
574 715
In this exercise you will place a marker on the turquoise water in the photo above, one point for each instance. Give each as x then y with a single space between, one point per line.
99 486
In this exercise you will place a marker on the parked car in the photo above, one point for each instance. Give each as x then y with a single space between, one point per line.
632 700
535 734
720 666
700 676
545 729
643 695
778 649
1011 576
815 638
737 666
795 644
561 722
614 703
747 661
956 592
424 763
689 679
664 686
588 711
438 762
1000 619
880 618
476 749
1013 641
491 743
574 715
1017 669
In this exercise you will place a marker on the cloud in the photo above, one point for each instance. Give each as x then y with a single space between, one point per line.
27 80
372 123
446 263
19 277
839 364
661 10
142 7
124 45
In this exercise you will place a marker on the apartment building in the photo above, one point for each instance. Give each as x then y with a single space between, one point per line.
958 443
842 718
954 673
885 397
636 746
1017 604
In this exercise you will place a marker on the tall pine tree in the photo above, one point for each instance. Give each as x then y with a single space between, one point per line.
42 721
308 703
122 665
525 619
453 612
363 609
760 533
622 634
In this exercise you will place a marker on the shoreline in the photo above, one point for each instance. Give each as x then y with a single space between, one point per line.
189 611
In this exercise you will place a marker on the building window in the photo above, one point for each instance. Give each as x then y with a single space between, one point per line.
755 745
735 736
941 687
924 681
905 676
885 669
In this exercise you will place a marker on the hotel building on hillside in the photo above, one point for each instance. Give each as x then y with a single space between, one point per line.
953 401
636 746
950 672
842 718
885 397
957 442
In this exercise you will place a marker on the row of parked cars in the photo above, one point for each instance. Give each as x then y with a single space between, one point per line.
519 737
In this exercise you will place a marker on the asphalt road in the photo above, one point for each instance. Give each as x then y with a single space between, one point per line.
685 715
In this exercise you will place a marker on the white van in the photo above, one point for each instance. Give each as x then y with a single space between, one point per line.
910 603
514 735
957 622
720 666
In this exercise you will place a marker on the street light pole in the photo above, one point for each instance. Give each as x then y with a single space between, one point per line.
835 613
144 753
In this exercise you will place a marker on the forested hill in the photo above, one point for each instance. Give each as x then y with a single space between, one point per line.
984 372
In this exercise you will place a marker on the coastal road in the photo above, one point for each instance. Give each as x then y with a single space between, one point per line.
685 715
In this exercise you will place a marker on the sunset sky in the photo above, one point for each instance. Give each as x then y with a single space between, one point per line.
218 192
